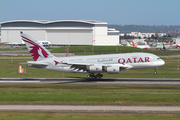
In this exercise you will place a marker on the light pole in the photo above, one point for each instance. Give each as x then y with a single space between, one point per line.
93 45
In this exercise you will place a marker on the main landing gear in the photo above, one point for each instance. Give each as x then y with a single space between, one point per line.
91 75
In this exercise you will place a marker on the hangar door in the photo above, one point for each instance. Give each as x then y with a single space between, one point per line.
72 37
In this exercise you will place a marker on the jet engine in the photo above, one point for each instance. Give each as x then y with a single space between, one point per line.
94 69
112 70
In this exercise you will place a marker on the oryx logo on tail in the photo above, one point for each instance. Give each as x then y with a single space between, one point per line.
35 49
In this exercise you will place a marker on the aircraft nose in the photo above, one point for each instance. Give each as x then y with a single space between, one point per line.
161 62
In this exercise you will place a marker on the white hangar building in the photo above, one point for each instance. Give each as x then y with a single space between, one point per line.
62 32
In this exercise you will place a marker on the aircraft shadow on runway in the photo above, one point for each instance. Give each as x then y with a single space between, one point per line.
88 80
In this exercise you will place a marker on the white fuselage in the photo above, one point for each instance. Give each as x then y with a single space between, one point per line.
143 46
124 61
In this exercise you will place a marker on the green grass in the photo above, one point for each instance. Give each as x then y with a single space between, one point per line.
86 116
164 53
90 94
14 49
101 50
97 49
86 50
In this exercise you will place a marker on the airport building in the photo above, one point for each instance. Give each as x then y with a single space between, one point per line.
61 32
143 35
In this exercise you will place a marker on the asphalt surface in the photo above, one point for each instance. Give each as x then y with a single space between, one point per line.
102 81
91 108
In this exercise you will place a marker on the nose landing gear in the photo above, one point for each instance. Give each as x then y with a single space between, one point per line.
155 71
98 75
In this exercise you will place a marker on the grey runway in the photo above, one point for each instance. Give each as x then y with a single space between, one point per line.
90 108
103 81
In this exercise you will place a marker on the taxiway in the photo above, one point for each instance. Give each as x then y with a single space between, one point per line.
91 108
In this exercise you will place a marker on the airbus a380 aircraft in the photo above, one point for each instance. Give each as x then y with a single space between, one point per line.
95 65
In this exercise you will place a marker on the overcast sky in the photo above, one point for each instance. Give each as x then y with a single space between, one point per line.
126 12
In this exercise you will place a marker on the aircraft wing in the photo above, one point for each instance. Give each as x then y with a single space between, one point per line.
83 66
79 66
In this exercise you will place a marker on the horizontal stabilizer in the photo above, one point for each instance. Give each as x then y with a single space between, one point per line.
36 65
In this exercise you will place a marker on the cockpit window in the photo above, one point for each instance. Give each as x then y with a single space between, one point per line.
158 58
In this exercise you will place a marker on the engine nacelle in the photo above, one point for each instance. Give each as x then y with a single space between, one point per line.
94 69
113 70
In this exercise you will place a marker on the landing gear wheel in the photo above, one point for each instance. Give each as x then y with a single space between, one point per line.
101 75
98 75
92 76
89 76
155 71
